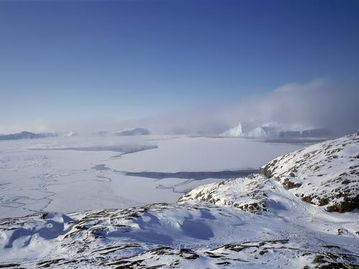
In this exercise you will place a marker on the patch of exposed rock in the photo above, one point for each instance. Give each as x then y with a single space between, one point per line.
324 174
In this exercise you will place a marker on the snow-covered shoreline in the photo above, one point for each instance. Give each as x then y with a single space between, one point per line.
259 221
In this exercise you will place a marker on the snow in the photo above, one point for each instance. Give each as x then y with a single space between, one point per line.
324 174
89 172
251 193
247 222
182 235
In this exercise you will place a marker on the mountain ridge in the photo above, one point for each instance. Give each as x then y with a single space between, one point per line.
26 135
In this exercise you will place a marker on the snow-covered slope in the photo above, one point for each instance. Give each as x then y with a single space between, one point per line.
248 193
181 236
251 222
325 174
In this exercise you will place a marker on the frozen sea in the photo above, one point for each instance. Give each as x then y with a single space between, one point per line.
67 174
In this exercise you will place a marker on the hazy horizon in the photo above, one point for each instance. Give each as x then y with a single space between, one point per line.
189 66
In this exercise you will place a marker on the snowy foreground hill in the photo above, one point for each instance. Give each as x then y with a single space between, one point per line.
300 212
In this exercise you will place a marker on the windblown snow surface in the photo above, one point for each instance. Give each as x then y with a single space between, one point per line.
250 222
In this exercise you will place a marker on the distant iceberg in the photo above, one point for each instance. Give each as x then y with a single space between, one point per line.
275 130
133 131
236 131
70 133
260 131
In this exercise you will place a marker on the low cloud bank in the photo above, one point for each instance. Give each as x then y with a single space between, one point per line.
296 106
312 105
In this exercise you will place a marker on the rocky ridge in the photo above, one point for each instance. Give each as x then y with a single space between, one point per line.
324 174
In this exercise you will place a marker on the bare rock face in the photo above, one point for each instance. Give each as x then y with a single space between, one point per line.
324 174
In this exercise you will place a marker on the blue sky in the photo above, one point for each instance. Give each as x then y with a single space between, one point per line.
131 59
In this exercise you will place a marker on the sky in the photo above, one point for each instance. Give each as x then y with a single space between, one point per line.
93 64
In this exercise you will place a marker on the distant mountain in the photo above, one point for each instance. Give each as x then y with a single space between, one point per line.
26 135
133 131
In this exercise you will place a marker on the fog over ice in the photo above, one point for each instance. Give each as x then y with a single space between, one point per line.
316 104
294 106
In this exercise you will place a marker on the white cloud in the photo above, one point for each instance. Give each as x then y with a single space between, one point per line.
316 104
